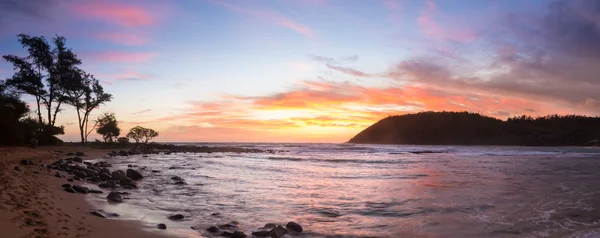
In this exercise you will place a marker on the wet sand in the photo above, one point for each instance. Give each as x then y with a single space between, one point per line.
33 204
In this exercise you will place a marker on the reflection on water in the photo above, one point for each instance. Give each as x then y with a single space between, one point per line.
376 191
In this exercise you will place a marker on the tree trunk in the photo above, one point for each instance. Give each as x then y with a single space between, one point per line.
37 100
56 112
79 123
49 104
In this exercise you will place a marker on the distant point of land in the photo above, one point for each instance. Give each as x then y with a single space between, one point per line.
464 128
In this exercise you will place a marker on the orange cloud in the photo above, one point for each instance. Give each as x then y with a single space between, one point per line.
118 13
323 111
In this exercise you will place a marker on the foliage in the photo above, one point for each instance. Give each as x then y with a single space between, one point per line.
44 74
51 74
123 140
142 134
463 128
108 127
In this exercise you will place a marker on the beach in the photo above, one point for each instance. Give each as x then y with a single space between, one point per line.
33 203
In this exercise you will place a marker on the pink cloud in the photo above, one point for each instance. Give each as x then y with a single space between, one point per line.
452 30
116 56
122 14
268 16
121 38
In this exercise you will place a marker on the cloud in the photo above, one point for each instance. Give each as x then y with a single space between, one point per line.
349 71
268 16
117 13
121 38
28 8
451 30
141 112
122 57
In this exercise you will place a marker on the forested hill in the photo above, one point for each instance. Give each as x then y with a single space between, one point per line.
463 128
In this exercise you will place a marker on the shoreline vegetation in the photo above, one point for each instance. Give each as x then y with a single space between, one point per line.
464 128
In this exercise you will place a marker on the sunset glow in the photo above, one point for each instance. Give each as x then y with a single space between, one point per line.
318 71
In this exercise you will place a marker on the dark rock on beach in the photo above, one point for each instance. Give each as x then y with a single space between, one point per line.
80 154
94 191
176 178
66 185
278 232
58 175
135 175
238 234
27 162
78 159
161 226
114 197
263 233
294 226
17 168
213 229
176 217
69 190
118 175
80 189
79 174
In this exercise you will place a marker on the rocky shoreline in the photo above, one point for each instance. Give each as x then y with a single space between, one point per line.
73 167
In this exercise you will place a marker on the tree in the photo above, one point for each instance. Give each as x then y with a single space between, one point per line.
12 109
141 134
86 94
108 127
44 73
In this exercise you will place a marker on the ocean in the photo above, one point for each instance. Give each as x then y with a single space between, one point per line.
352 190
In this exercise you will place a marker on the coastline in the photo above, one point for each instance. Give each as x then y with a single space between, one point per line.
33 204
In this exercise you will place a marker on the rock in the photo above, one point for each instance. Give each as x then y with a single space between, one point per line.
176 178
80 189
66 185
127 183
36 172
122 153
228 226
105 185
58 175
215 214
104 177
105 171
70 190
78 159
238 234
264 233
79 174
213 229
161 226
294 226
278 232
26 162
176 217
70 153
180 183
155 171
114 197
70 180
135 175
17 168
269 226
80 154
117 174
94 191
103 214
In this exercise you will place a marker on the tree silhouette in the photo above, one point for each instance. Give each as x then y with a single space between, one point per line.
44 73
108 127
141 134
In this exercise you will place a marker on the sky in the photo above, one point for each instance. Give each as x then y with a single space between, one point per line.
317 70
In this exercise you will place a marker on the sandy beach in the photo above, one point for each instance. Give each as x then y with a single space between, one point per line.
33 204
